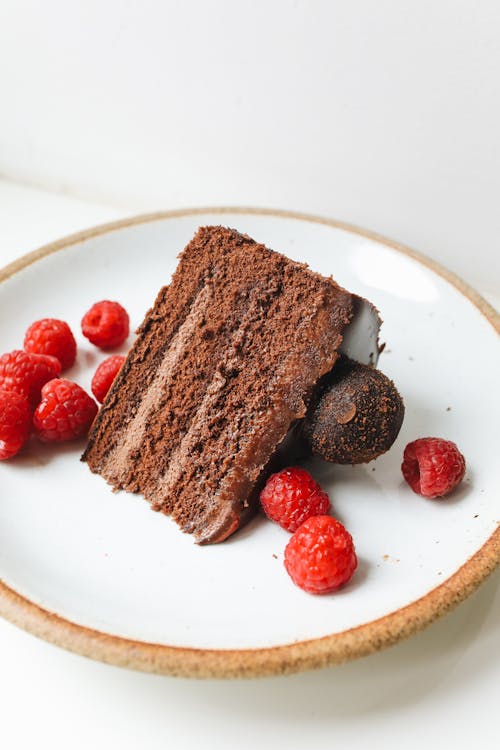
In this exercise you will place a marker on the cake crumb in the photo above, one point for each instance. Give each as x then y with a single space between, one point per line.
34 460
448 408
388 558
275 556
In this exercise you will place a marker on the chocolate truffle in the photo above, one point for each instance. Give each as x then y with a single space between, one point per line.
355 415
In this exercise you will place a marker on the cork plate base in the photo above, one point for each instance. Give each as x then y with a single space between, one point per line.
99 574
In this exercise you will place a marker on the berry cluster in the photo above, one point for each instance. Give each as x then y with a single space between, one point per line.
433 467
34 396
320 555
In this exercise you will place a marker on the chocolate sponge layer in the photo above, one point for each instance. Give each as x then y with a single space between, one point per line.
224 362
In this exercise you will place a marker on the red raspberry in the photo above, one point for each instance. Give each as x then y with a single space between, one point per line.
65 412
54 337
320 556
27 373
104 376
15 423
291 496
432 466
106 324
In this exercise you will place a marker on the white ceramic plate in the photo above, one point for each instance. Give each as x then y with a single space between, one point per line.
100 573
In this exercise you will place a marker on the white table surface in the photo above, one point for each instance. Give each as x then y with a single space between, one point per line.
441 687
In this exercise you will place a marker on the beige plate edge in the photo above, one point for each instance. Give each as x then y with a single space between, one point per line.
296 657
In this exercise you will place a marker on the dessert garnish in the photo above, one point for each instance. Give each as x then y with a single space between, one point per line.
106 324
291 496
320 556
15 423
27 373
54 337
105 375
65 411
34 397
433 467
355 414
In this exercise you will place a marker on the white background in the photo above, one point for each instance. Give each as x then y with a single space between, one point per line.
385 114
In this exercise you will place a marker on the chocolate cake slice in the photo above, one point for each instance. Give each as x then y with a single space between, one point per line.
224 363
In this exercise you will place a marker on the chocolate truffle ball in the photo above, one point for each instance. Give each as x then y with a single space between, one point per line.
355 415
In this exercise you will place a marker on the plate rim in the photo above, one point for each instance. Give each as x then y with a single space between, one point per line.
281 659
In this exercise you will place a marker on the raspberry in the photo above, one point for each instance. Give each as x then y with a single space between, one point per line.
106 324
320 556
65 412
291 496
27 373
433 467
104 376
15 423
54 337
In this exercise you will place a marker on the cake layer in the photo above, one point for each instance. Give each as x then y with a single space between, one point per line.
223 364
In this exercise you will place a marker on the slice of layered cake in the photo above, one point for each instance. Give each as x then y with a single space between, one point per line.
224 363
